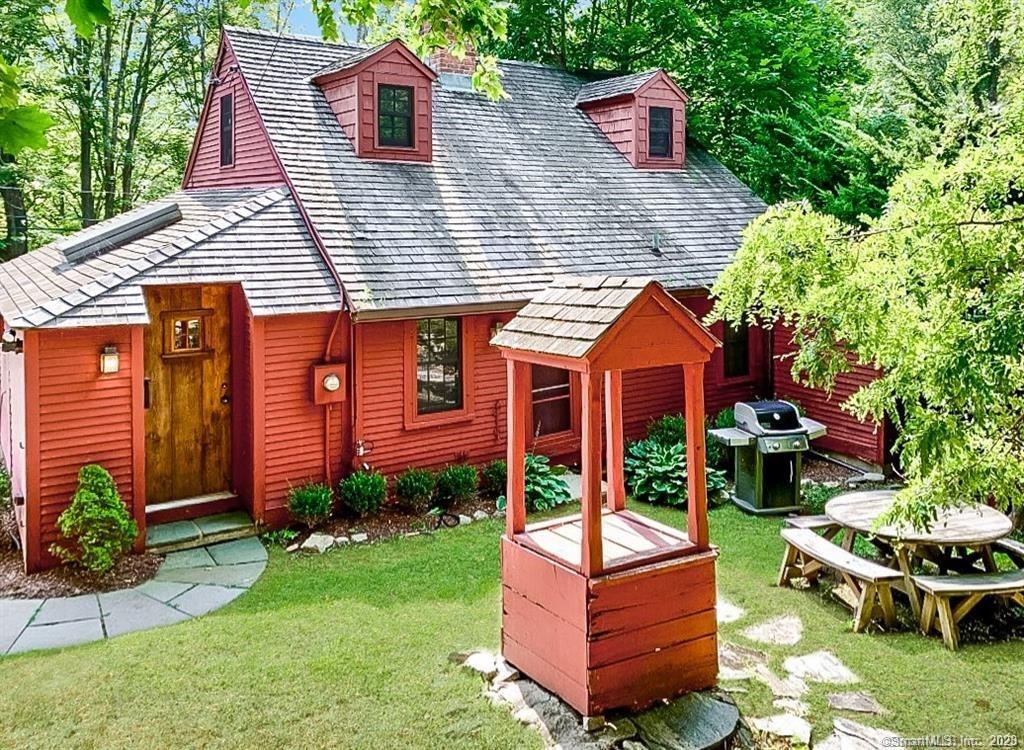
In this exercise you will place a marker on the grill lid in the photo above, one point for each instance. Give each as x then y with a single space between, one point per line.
761 417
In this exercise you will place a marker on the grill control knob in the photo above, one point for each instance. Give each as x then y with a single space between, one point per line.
796 443
775 446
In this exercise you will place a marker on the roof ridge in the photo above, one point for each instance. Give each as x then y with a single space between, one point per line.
228 217
309 38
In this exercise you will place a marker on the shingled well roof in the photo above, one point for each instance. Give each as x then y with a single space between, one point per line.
571 316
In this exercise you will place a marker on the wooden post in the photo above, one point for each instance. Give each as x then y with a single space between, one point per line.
518 403
613 436
592 561
696 481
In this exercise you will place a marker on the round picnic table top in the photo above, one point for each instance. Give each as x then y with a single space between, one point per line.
967 526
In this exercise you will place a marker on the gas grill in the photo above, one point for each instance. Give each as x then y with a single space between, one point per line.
768 441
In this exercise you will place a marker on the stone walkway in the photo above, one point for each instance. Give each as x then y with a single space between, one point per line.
189 583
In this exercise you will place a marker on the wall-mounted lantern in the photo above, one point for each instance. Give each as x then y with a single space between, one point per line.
110 360
496 327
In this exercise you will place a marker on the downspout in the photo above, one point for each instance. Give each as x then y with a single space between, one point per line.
345 300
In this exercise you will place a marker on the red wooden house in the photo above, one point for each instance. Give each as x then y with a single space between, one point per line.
353 226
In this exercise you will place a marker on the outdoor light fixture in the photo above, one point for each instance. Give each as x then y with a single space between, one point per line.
110 360
496 327
331 383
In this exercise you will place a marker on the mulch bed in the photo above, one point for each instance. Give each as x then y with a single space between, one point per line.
131 570
819 470
391 521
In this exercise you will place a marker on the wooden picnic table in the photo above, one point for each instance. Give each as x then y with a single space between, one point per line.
956 530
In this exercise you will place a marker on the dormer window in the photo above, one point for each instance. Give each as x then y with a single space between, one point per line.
227 130
659 132
395 116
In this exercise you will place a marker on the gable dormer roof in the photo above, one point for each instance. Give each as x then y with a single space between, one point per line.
627 85
355 60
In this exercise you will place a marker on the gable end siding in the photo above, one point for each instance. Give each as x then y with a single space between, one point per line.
254 163
617 120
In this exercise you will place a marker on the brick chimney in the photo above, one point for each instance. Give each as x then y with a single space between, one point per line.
444 61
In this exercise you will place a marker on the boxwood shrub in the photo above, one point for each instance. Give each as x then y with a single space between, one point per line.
363 492
414 490
456 484
310 503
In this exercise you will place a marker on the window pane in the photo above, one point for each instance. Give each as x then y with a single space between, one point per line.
394 115
438 366
227 126
736 350
659 131
186 335
551 417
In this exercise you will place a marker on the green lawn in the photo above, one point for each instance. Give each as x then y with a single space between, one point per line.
349 650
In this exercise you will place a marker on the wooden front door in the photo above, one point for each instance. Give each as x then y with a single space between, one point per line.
188 393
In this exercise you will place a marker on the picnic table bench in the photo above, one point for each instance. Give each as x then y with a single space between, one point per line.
940 592
807 553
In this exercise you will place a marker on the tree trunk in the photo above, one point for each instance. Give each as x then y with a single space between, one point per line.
15 215
84 101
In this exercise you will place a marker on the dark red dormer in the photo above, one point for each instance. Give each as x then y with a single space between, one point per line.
382 99
643 115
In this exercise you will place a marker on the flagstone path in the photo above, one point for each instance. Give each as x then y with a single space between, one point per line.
189 583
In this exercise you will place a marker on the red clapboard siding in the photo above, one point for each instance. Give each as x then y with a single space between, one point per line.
254 162
81 417
846 434
617 120
293 424
380 401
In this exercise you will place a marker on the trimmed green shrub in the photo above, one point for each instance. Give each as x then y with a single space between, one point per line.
657 474
363 492
414 490
667 430
310 503
456 484
96 523
545 488
494 479
725 418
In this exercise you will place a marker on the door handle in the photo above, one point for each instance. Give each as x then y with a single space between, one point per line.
145 393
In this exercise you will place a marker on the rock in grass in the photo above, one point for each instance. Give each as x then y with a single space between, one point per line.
482 662
860 702
695 721
318 543
854 736
341 541
791 706
480 515
463 520
786 726
820 666
360 538
786 630
727 612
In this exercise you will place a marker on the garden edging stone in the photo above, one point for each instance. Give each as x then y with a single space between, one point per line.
189 583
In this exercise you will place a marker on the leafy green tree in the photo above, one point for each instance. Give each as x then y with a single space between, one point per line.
932 294
769 83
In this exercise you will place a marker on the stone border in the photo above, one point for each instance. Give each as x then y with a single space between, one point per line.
188 584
